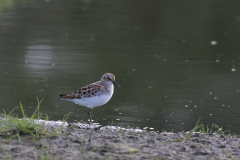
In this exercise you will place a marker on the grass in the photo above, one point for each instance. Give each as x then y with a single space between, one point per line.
215 129
189 134
12 127
231 156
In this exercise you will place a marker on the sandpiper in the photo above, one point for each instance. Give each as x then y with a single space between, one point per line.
93 95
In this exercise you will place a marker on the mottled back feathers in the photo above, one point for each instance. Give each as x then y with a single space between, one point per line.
94 89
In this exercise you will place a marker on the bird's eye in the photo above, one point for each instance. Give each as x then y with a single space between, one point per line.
109 78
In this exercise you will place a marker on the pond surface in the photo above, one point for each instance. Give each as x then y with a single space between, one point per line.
175 62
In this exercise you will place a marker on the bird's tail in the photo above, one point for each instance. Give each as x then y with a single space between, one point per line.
67 96
62 96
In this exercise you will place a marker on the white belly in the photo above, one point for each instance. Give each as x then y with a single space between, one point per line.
92 101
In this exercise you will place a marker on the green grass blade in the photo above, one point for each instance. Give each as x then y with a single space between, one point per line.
22 109
193 130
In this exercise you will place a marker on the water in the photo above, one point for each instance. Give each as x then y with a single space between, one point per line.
175 62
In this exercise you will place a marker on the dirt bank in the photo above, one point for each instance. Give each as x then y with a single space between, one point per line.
115 143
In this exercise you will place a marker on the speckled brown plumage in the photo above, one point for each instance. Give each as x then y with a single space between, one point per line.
94 89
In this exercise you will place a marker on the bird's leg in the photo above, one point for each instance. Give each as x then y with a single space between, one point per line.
89 114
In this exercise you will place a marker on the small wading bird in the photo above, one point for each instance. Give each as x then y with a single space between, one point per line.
93 95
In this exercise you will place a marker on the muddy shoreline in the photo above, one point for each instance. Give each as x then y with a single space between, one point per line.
78 141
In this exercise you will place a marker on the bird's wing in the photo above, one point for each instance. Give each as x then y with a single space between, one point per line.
87 91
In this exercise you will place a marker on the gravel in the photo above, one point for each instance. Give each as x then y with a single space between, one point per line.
78 141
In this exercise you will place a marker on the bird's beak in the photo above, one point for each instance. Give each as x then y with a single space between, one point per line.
115 83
